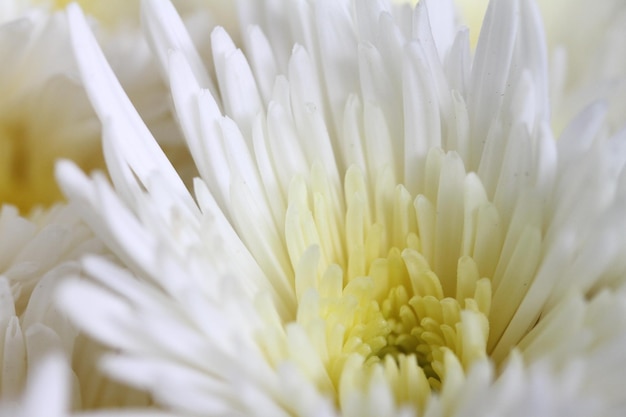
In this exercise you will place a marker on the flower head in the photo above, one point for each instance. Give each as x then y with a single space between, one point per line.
35 78
584 65
383 224
37 254
45 114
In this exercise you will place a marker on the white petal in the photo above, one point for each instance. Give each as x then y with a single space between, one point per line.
167 33
134 143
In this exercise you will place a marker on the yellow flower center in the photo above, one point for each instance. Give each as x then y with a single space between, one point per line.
369 303
32 139
25 177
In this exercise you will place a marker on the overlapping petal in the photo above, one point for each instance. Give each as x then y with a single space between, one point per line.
346 154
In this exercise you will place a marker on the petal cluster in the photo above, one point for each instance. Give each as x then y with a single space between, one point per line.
383 221
45 114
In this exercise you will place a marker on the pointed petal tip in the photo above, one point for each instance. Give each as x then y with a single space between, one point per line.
68 176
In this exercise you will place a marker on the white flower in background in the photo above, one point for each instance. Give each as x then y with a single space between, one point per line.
582 43
35 255
48 394
45 114
31 262
585 65
383 224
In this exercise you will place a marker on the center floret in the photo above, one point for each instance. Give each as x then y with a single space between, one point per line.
367 297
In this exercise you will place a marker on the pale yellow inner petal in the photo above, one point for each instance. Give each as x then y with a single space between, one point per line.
369 304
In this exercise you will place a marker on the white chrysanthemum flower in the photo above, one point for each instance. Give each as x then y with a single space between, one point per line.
35 256
383 224
40 99
48 394
584 65
45 114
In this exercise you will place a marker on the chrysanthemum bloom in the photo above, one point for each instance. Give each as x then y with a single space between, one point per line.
40 99
44 114
383 223
584 65
35 255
